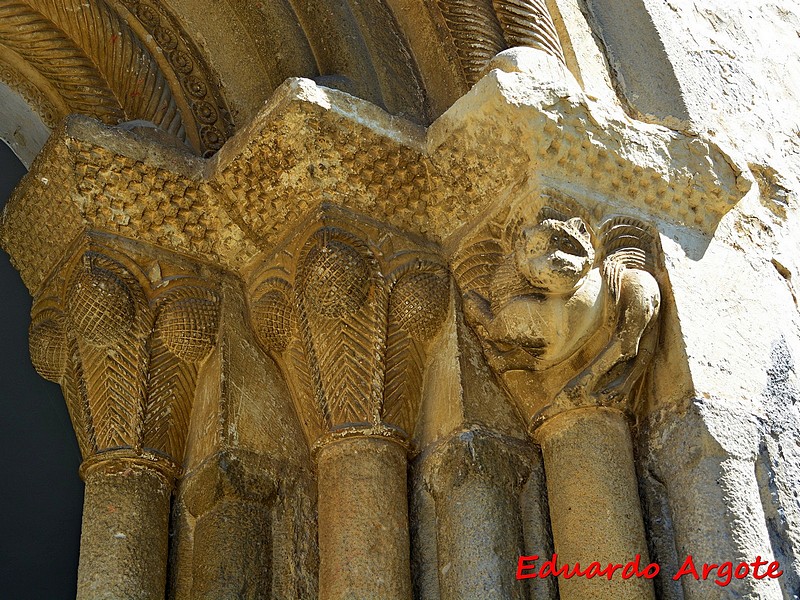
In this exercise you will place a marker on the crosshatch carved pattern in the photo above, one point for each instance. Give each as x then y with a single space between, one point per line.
302 155
354 354
125 350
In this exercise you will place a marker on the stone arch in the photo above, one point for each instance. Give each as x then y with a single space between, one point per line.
202 69
93 59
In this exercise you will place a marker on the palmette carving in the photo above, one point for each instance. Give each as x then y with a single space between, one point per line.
566 317
184 335
343 331
111 319
354 351
126 353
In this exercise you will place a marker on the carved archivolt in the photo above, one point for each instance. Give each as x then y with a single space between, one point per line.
480 29
99 63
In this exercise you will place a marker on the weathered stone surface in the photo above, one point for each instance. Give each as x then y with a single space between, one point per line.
276 325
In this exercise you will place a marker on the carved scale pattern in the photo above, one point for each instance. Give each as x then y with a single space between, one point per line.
39 199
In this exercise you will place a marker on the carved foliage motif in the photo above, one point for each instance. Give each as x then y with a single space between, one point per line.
342 301
106 307
354 347
185 334
125 354
200 88
34 97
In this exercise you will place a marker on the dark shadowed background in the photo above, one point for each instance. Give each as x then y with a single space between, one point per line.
41 494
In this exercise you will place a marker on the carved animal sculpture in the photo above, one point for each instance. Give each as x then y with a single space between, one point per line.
541 296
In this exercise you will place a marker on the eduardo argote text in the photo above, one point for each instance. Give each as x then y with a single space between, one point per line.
529 567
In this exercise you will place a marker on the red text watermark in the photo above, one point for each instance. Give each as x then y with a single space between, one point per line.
528 567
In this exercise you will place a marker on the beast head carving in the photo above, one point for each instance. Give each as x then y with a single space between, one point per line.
562 314
554 256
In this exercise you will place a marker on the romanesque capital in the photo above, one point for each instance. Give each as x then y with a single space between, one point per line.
123 329
565 305
347 306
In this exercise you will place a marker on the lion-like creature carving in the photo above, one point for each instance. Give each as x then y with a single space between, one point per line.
550 296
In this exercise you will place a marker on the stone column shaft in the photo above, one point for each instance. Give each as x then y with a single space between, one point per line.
124 533
363 520
594 501
476 484
231 497
232 552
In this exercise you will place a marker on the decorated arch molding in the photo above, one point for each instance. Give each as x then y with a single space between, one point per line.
116 62
137 60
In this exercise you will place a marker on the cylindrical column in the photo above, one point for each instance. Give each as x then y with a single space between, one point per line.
125 531
594 501
363 520
476 484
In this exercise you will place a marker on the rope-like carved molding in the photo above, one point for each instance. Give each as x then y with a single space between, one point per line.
480 29
121 59
475 32
58 58
528 23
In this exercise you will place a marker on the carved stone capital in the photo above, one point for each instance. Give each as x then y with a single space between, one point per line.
123 329
347 307
565 304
